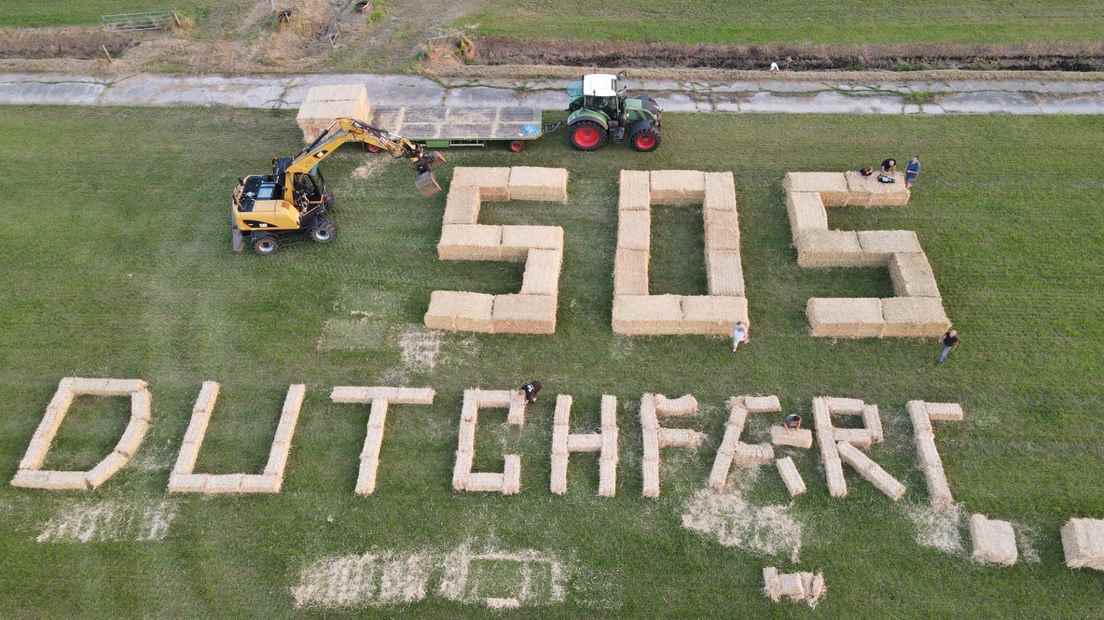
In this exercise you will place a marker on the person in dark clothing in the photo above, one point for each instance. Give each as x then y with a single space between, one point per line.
792 422
867 171
950 341
530 390
889 166
912 171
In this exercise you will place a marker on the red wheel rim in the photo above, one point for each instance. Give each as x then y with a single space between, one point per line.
516 146
645 141
373 148
586 136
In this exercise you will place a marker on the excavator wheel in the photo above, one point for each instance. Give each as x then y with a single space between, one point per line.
265 245
323 230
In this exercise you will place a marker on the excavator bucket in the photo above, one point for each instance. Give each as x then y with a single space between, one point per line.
427 183
434 159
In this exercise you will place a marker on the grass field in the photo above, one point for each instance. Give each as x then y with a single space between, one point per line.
116 263
794 21
19 13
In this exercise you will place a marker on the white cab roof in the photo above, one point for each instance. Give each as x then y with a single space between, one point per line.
600 85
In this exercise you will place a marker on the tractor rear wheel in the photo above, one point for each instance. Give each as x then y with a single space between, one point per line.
323 230
265 245
587 136
644 137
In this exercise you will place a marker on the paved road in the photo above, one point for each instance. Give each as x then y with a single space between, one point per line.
764 96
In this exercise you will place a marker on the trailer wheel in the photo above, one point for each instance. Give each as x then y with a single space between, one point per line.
266 245
587 136
517 146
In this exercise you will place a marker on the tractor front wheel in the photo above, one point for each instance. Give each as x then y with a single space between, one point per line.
587 136
323 230
265 244
644 137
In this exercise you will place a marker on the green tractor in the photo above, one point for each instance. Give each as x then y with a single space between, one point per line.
600 110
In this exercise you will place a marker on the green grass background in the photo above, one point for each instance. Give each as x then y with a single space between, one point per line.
116 262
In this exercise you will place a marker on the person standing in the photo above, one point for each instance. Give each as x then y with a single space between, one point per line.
950 342
739 334
530 391
912 171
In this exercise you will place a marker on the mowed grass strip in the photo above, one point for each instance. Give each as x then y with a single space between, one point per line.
117 263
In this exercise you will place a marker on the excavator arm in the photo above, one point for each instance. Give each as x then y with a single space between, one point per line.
344 130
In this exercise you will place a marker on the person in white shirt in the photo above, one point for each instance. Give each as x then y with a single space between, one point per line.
739 334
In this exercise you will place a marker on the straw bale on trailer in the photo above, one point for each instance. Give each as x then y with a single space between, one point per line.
542 273
634 191
725 273
460 311
871 471
912 275
462 206
881 245
832 186
677 187
806 211
1083 543
630 272
994 541
517 241
324 104
790 476
532 183
849 317
869 192
712 314
493 183
722 230
831 248
470 242
524 314
636 315
914 317
634 230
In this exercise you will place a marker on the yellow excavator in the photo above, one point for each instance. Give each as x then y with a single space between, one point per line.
293 200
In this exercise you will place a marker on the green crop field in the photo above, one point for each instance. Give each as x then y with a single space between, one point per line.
24 13
116 263
795 21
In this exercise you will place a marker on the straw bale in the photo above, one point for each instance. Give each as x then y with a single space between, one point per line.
869 192
649 440
558 480
634 230
844 406
795 437
462 206
609 443
722 464
607 478
848 317
278 456
912 275
791 586
350 394
517 241
712 314
630 272
634 190
542 273
314 117
122 387
944 412
722 231
470 242
31 479
289 415
188 483
790 476
872 421
647 314
544 184
460 311
206 399
858 437
831 248
871 471
829 453
141 405
648 419
679 438
518 404
832 186
524 314
720 192
762 404
413 396
132 437
186 457
677 187
753 454
252 483
585 442
771 585
337 92
511 476
35 455
725 272
1083 543
223 483
485 483
881 245
737 416
493 183
105 469
994 541
492 399
807 212
461 470
683 405
649 469
914 317
562 414
918 413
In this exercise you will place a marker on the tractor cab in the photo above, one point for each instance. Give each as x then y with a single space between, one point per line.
600 110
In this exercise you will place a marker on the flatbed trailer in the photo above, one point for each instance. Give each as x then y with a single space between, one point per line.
447 127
